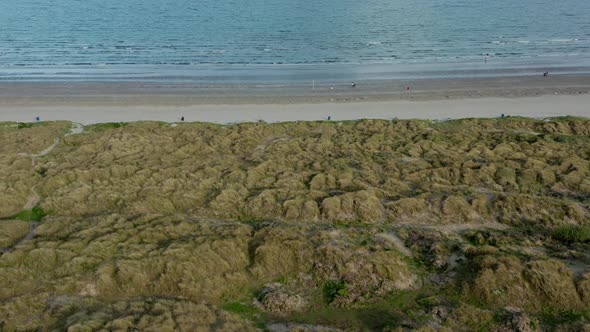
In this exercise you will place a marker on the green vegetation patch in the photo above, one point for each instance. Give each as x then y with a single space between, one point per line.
572 234
25 125
106 126
240 309
406 308
334 289
35 214
42 172
554 317
372 318
28 125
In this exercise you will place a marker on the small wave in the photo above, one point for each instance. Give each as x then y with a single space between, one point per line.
507 54
561 40
374 43
425 51
78 64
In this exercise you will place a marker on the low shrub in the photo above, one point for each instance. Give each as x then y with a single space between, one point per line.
25 125
334 289
572 234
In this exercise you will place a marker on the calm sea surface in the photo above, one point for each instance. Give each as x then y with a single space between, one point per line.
118 39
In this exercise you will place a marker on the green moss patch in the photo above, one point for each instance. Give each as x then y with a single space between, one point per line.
35 214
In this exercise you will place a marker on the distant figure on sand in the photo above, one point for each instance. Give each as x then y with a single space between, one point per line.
182 118
354 84
329 118
546 74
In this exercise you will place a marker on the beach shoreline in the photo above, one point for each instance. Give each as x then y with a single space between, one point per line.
437 99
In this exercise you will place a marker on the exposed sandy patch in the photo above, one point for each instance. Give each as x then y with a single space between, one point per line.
396 241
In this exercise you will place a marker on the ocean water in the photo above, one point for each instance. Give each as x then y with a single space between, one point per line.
288 39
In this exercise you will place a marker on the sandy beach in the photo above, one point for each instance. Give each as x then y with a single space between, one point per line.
536 107
441 99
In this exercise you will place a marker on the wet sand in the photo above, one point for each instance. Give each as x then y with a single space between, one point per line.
92 102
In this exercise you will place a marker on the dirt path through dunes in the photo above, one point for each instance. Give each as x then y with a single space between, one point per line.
396 241
30 234
399 244
77 128
45 152
34 199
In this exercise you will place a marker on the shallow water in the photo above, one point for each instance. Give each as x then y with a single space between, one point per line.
113 39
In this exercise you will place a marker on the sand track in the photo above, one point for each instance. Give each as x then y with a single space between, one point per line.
34 199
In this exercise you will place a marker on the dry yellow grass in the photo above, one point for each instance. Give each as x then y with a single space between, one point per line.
507 282
151 225
359 170
11 231
19 143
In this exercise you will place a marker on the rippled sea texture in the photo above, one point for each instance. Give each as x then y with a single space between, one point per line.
150 32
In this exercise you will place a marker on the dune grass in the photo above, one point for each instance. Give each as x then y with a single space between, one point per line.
367 225
572 234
